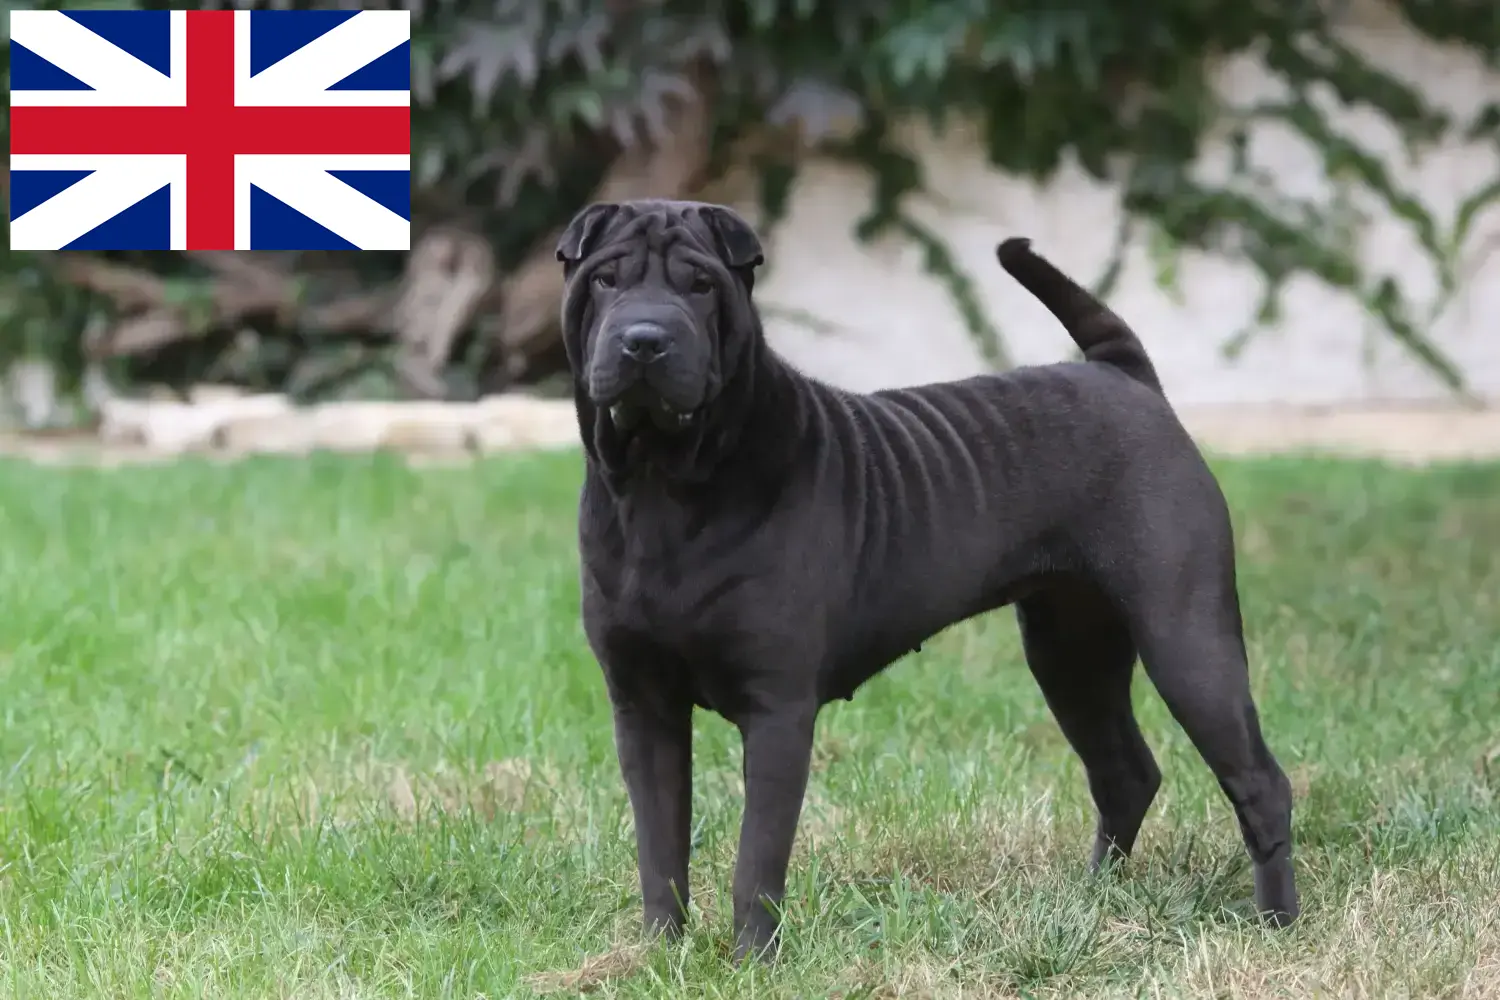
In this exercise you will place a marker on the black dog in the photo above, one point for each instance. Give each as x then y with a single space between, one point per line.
758 544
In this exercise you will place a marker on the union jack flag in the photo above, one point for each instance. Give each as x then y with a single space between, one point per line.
210 130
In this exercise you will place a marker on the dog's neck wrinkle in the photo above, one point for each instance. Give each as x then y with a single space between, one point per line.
777 420
763 419
751 433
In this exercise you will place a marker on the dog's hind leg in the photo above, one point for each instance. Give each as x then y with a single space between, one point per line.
1080 651
1193 648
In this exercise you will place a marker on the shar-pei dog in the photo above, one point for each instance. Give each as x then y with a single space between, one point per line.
758 543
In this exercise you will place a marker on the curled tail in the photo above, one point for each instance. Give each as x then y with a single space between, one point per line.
1102 336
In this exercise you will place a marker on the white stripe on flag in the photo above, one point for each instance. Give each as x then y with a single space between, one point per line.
302 79
118 78
117 183
304 184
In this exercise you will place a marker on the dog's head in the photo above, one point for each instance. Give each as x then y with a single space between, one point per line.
657 321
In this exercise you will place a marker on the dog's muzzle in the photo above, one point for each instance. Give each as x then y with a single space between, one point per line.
649 367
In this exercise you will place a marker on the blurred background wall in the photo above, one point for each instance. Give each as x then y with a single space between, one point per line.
870 316
1292 202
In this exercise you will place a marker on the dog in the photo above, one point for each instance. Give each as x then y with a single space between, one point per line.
756 543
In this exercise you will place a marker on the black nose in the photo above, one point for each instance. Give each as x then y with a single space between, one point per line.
644 342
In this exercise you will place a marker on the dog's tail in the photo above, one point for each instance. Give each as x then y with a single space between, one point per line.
1103 336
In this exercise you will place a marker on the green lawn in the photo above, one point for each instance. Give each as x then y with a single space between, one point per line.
329 728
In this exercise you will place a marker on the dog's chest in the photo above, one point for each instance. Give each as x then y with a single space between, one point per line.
684 621
679 572
680 601
697 595
666 633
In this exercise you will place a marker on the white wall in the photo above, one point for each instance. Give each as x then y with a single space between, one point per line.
879 320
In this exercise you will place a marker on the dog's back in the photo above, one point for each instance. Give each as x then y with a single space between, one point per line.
1028 470
1074 431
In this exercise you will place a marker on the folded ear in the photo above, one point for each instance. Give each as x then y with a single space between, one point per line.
584 231
738 244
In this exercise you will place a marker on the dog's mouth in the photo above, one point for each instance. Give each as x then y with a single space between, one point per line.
636 409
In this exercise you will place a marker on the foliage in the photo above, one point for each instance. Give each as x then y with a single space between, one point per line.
523 108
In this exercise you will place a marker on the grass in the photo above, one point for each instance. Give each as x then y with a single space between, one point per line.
329 729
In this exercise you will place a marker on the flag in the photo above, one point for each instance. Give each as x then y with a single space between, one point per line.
210 130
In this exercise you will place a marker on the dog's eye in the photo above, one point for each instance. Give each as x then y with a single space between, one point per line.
604 279
701 285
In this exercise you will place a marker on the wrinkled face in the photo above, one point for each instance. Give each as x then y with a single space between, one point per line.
653 341
654 290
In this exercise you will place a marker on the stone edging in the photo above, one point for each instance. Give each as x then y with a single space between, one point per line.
1404 434
226 425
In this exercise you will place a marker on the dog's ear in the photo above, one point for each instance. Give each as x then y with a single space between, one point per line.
738 244
584 231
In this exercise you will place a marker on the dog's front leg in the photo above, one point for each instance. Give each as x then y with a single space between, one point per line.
778 750
655 746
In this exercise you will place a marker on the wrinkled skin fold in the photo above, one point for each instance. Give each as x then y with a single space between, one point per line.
758 544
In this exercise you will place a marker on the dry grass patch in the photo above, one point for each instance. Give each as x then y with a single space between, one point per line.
596 971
